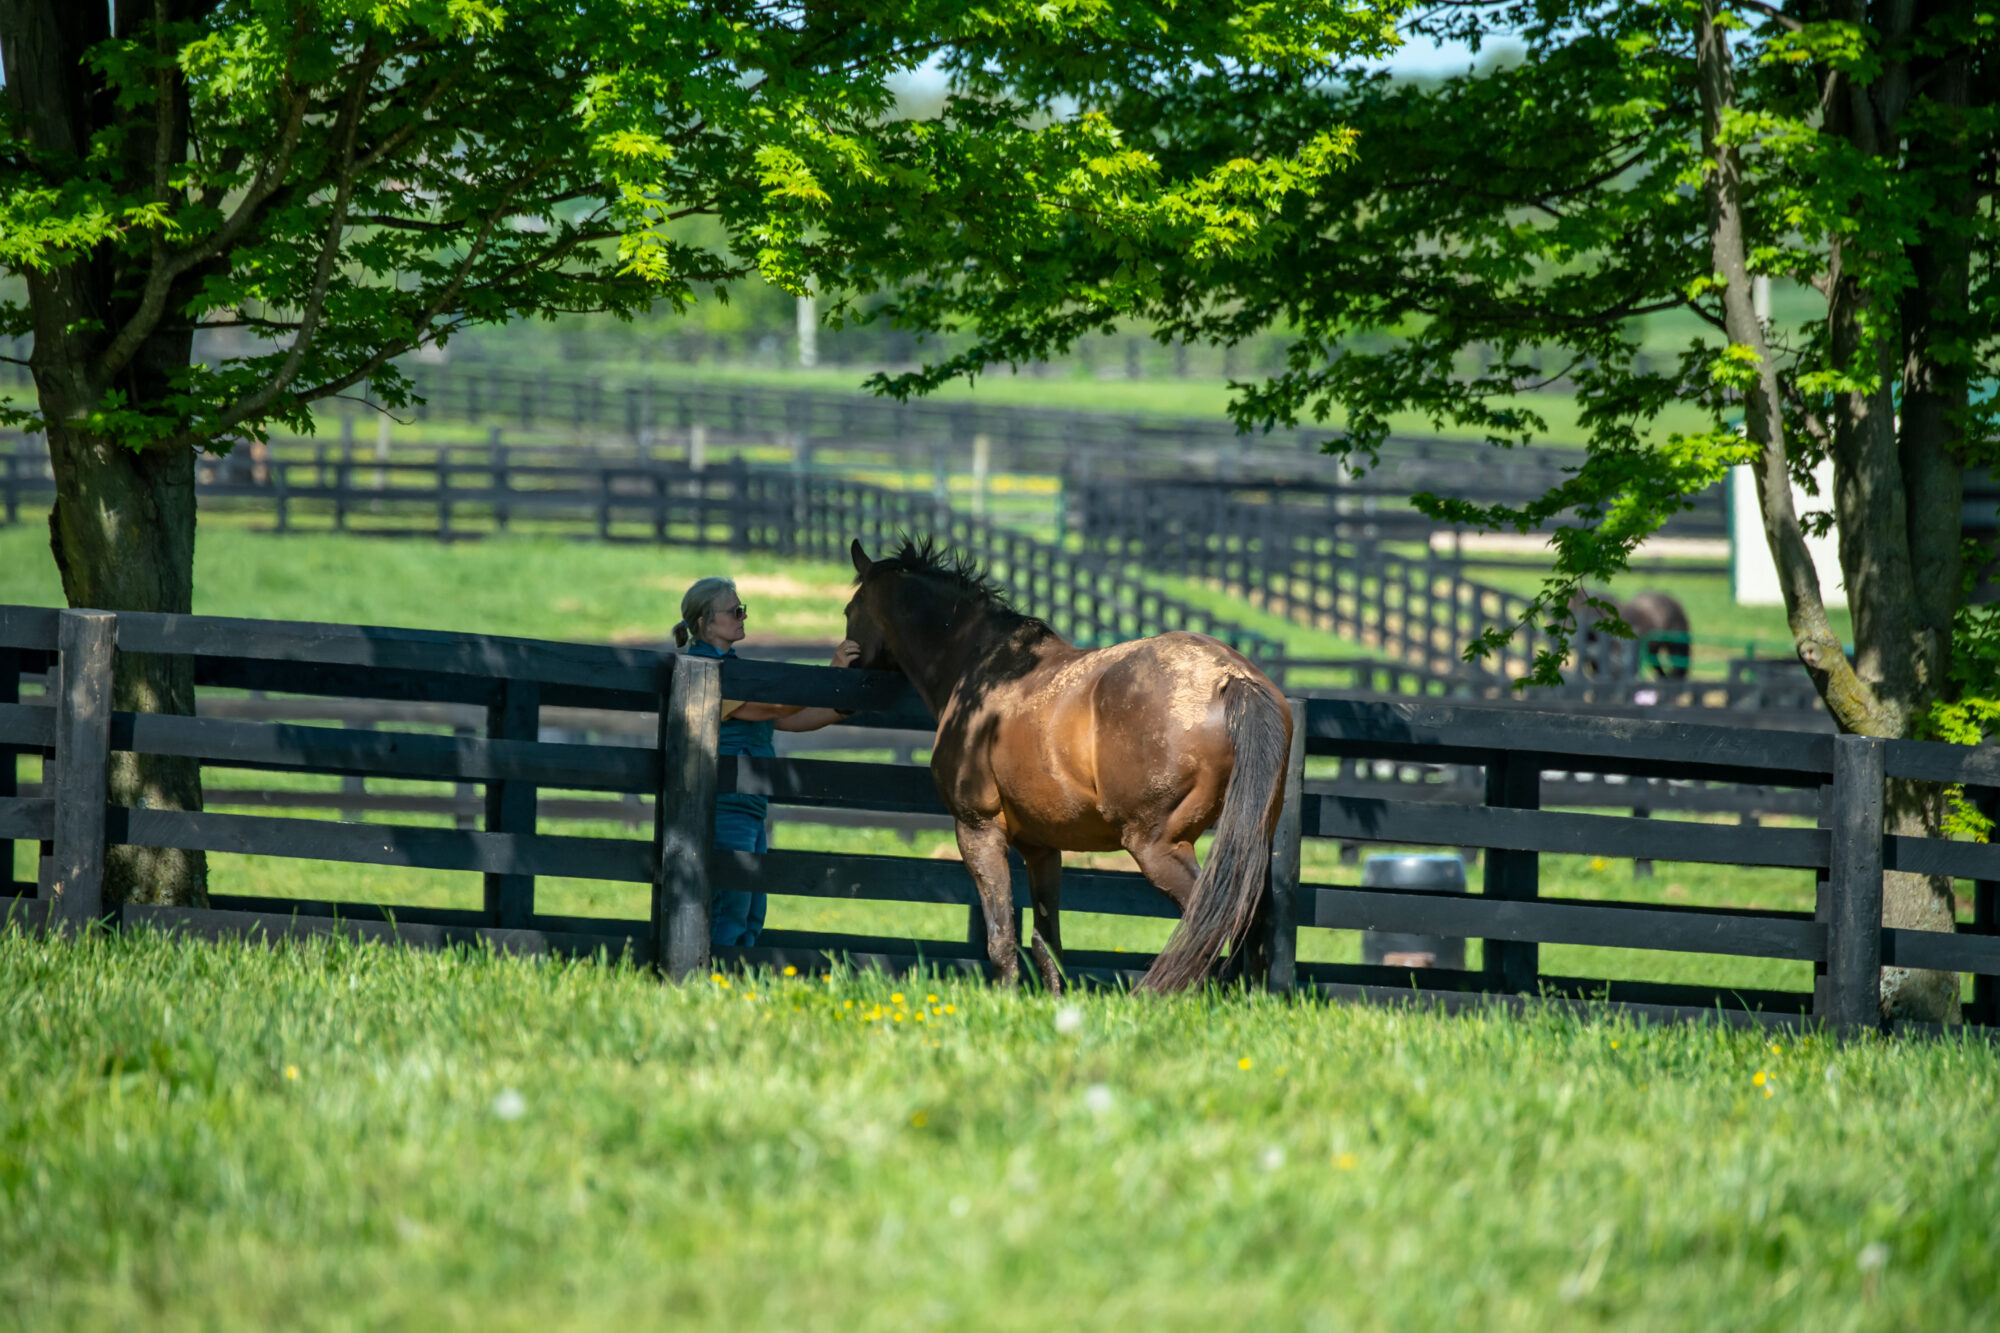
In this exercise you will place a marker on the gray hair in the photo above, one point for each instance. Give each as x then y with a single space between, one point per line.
696 603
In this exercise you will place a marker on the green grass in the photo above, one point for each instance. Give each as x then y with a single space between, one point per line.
341 1136
537 587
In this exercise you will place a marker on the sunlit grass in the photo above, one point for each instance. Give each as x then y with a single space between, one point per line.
339 1136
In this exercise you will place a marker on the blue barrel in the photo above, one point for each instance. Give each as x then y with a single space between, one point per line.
1442 873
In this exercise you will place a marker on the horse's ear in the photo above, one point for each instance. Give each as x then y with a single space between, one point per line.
862 564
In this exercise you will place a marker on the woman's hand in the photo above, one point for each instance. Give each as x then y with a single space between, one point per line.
846 654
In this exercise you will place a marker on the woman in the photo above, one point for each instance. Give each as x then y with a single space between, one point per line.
711 625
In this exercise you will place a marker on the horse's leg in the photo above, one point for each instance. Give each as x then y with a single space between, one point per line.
1045 885
1169 864
984 847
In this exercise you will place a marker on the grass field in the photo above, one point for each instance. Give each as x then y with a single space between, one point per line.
329 1136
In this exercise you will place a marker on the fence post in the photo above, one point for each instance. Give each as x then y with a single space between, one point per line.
684 813
1281 937
444 494
10 766
498 454
85 641
1985 1006
1852 908
514 715
1513 782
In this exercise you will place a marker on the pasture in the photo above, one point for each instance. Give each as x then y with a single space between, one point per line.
338 1136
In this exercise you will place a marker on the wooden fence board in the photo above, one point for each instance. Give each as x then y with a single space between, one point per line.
1937 856
284 747
27 724
1428 824
815 782
1444 728
31 627
1569 921
26 817
587 665
622 859
1945 951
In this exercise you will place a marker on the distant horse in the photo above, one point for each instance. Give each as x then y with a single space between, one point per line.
1045 747
1659 625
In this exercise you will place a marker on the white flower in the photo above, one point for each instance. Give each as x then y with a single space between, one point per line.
510 1105
1273 1158
1098 1098
1069 1019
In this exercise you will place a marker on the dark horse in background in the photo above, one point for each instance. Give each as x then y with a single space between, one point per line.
1048 747
1659 626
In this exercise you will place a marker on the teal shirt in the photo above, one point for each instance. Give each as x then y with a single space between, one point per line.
739 820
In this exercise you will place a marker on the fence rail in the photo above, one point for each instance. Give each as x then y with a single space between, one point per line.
513 680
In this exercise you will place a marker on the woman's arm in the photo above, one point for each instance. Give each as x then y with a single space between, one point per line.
812 719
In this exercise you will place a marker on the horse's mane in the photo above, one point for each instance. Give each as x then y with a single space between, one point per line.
926 555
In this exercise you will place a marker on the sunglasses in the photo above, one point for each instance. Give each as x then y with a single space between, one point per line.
741 611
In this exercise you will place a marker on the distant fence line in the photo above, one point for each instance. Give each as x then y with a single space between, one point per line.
513 679
450 493
731 506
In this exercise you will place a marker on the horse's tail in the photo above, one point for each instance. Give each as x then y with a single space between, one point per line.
1227 891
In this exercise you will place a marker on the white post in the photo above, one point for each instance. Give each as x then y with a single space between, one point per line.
381 449
808 333
697 446
982 461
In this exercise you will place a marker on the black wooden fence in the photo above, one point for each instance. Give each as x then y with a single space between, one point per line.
514 679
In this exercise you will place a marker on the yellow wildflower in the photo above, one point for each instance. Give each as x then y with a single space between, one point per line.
1244 1063
791 971
1345 1161
291 1071
1759 1077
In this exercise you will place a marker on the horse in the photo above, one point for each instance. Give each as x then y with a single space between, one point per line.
1658 622
1048 748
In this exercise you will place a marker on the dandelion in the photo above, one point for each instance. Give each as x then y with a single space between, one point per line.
951 1009
510 1105
717 978
1759 1078
920 1119
1069 1019
722 982
1614 1045
1777 1049
899 1018
1345 1161
930 999
791 971
291 1071
1769 1091
749 995
848 1004
921 1016
1597 863
897 998
1244 1063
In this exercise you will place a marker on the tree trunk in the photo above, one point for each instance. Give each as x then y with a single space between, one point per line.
122 531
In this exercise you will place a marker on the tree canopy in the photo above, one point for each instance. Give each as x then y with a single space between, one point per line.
345 182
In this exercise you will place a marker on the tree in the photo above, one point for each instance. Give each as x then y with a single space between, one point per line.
347 182
1628 161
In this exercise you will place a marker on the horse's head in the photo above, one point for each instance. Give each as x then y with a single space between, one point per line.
867 610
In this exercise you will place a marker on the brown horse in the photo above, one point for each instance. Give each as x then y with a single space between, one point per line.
1659 624
1047 747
